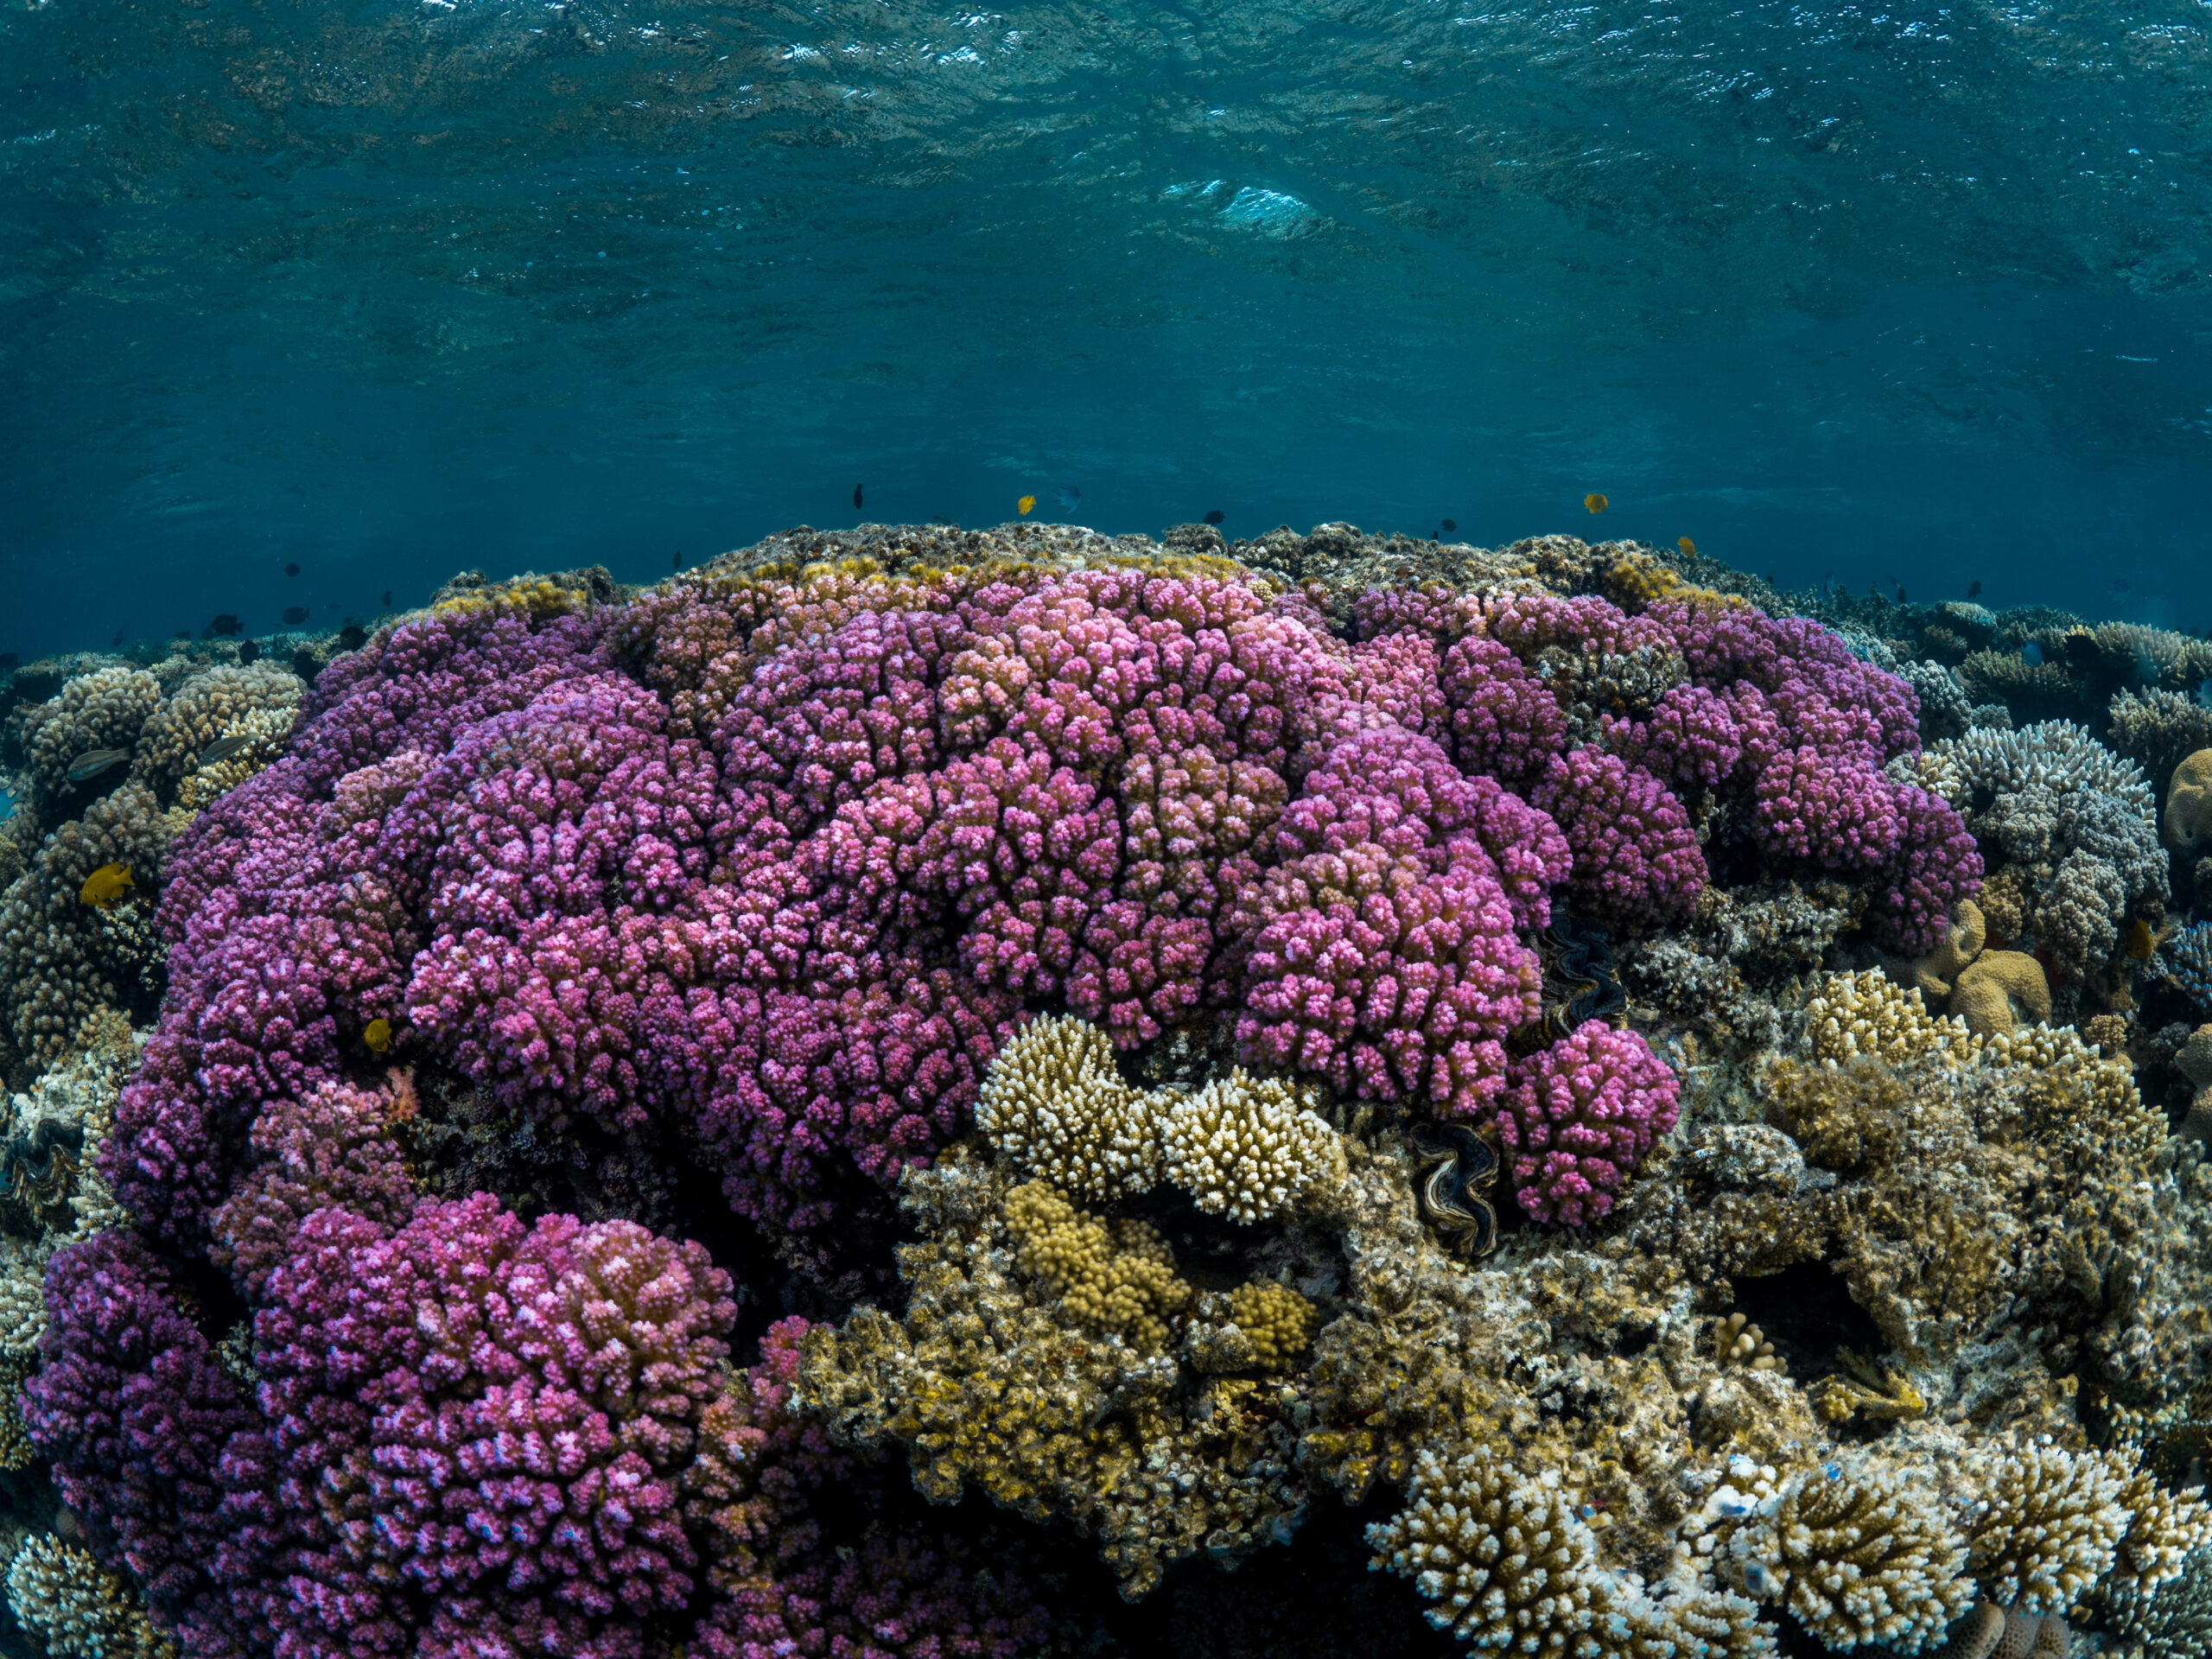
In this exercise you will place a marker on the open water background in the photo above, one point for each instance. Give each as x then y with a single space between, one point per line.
390 290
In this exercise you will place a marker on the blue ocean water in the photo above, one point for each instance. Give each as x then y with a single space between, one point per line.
385 290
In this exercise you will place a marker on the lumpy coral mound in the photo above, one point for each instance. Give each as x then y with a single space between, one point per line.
742 886
776 862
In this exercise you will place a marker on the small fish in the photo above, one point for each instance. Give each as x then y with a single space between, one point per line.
1902 600
675 562
8 662
352 636
1023 505
386 600
223 748
856 495
1686 544
2119 584
105 884
2032 653
332 606
294 614
1214 515
249 652
2081 650
1594 501
118 640
1067 495
225 626
92 762
378 1036
2142 942
291 570
1974 588
1449 526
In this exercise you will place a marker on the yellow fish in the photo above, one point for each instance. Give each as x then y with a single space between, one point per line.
1023 505
105 884
2142 942
1595 502
378 1036
1686 545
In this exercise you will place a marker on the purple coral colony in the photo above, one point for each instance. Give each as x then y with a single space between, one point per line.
933 1094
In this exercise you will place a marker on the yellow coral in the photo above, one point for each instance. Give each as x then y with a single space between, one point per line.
1116 1276
1248 1148
1277 1320
1963 938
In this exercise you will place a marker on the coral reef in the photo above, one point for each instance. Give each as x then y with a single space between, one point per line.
1184 1055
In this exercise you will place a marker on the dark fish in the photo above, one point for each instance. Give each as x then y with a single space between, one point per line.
856 495
2081 650
352 636
249 651
386 600
2119 584
1902 600
676 562
1449 526
291 570
223 748
7 661
332 606
294 614
1973 589
92 762
118 638
225 625
1214 515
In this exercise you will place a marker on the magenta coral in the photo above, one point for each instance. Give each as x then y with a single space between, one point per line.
1936 865
335 1148
508 1410
1636 858
1386 977
133 1409
1841 816
1576 1118
1503 721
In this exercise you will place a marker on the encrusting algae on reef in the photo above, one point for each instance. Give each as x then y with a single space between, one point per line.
916 1092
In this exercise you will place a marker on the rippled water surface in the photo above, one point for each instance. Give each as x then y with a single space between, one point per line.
1918 292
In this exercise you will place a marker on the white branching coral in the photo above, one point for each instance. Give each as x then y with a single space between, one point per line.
1514 1569
2045 1523
1242 1147
1053 1103
1248 1149
1858 1554
79 1609
2165 1529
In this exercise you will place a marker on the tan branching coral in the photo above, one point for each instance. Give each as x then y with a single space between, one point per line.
1859 1553
1865 1013
2165 1529
104 709
79 1609
2044 1524
1249 1148
1117 1276
1514 1569
985 1380
256 703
